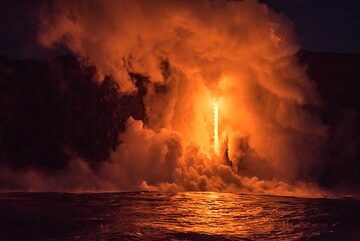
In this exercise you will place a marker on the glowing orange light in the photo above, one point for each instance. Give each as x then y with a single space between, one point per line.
216 126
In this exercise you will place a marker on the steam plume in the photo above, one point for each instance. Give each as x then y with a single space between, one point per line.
192 52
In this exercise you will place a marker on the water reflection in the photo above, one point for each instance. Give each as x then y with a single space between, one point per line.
182 216
218 213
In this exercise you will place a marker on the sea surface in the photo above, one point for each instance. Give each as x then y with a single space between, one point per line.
181 216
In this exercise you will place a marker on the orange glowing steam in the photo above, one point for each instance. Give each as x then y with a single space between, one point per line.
239 50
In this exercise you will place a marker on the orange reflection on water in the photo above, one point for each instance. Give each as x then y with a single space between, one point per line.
218 213
218 216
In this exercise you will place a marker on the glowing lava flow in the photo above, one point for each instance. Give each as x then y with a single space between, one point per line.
216 127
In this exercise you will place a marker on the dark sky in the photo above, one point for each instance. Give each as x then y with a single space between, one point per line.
321 25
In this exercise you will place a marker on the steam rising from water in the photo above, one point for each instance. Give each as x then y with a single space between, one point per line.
191 51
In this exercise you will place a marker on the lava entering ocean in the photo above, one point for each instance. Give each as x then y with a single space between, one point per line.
188 50
216 126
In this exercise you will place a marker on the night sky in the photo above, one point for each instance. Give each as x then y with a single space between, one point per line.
321 25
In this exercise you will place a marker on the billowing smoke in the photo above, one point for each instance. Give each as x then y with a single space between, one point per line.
185 55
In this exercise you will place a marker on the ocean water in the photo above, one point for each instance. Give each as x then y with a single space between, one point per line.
181 216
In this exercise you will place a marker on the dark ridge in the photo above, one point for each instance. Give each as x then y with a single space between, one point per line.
337 77
53 111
